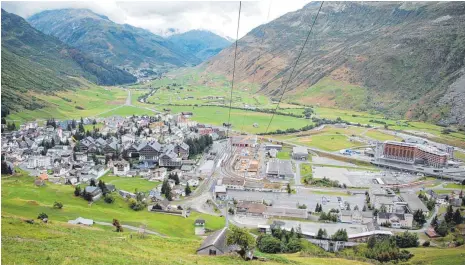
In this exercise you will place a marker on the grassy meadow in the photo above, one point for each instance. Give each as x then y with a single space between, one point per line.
61 243
241 120
20 197
84 102
130 184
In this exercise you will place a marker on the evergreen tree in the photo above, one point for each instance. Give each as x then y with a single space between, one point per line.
77 191
434 222
322 234
458 219
168 193
419 217
164 186
92 183
449 215
317 208
340 235
103 187
188 189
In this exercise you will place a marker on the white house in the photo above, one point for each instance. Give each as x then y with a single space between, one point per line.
193 182
396 220
121 168
39 161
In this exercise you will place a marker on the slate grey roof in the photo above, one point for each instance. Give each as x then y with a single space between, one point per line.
91 189
154 145
101 141
389 215
300 150
414 203
183 146
217 239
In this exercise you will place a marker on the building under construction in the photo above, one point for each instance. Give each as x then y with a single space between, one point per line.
411 153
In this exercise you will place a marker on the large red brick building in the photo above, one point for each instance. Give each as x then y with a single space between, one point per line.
414 153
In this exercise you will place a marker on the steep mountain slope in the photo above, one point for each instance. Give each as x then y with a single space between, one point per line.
396 58
33 61
122 45
203 44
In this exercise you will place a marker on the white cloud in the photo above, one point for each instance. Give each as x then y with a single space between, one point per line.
159 16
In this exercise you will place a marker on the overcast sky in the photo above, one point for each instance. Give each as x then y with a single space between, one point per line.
219 17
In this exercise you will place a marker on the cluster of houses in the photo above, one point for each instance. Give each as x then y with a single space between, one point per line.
395 210
126 146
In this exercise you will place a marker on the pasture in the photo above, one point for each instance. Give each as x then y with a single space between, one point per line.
20 197
130 184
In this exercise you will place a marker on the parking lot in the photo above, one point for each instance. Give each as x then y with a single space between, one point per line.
302 196
359 178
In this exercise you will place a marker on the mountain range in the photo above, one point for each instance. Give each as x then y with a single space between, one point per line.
404 59
202 43
33 61
124 45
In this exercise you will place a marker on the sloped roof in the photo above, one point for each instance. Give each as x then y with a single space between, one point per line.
217 239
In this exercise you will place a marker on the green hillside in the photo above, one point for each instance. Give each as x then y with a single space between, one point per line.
405 58
118 44
60 243
33 61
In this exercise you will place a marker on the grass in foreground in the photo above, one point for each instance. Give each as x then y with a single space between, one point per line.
20 197
62 243
438 256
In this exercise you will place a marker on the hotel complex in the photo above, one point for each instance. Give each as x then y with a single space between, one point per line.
410 153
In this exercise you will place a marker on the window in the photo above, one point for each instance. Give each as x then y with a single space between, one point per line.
212 252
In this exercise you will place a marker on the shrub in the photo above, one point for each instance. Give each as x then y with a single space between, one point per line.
108 198
407 240
57 205
294 245
42 216
136 205
269 244
426 244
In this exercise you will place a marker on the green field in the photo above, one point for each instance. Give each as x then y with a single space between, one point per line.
61 243
125 111
437 256
329 193
322 141
240 119
454 186
93 101
90 127
459 155
305 170
199 94
285 153
380 136
130 184
21 198
333 139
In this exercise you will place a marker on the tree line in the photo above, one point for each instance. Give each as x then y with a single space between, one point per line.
198 145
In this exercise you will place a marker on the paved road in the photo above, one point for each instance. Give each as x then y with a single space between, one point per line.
130 227
128 99
297 178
